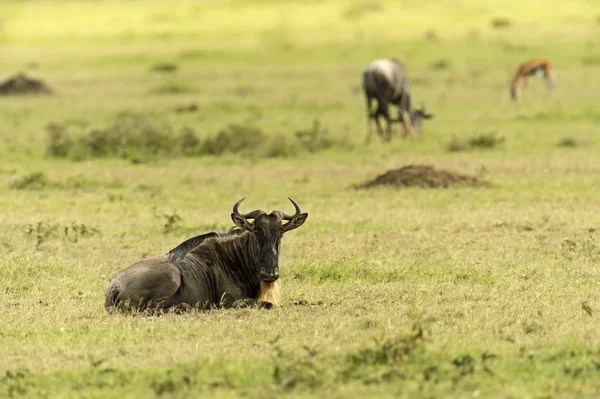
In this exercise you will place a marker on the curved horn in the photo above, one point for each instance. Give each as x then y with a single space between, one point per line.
237 205
251 215
298 211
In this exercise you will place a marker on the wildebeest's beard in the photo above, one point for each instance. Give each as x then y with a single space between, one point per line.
268 231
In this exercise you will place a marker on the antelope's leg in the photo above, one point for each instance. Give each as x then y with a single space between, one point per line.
549 79
409 129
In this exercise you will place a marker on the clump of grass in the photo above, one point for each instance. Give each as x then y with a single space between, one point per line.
39 181
235 139
32 181
570 142
171 88
590 60
192 107
43 232
172 222
482 141
361 8
80 182
252 141
315 138
440 64
165 67
388 359
501 22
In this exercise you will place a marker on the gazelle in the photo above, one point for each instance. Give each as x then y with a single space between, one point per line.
526 70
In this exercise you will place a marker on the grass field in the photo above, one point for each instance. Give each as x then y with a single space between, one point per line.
459 292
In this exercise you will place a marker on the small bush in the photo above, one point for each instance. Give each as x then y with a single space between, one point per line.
483 141
315 139
131 136
164 67
361 8
440 64
171 88
39 181
501 23
281 146
32 181
570 142
235 139
172 222
590 60
43 232
192 107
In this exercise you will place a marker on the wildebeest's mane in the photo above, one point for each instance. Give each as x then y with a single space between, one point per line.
182 249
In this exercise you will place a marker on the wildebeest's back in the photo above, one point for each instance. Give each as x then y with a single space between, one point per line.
386 77
179 252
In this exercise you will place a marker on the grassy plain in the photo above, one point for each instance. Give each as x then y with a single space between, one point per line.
497 279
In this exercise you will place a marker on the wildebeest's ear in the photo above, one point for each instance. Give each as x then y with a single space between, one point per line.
241 221
296 222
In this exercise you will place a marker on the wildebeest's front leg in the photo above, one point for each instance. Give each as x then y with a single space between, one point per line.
370 115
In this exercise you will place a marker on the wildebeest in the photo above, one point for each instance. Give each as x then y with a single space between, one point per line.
385 80
214 269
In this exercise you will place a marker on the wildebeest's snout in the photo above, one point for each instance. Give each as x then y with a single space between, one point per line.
269 274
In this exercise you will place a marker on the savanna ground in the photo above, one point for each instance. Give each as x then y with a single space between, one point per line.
458 292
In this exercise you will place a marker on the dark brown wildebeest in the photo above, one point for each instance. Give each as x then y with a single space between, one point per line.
214 269
385 81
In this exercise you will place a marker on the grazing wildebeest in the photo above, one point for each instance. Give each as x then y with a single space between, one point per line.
214 269
385 80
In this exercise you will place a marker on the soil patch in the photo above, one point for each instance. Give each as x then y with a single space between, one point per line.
22 85
425 176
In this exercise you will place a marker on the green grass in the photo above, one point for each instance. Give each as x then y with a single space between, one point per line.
497 280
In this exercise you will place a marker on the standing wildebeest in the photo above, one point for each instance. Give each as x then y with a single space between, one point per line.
212 269
386 81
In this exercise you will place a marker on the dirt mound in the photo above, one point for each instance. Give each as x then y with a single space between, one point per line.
422 176
21 84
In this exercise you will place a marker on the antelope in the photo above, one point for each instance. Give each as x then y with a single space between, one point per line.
526 70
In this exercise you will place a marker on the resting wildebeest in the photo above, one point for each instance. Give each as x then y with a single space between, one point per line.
214 269
385 80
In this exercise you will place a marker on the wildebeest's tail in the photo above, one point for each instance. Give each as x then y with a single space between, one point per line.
112 296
